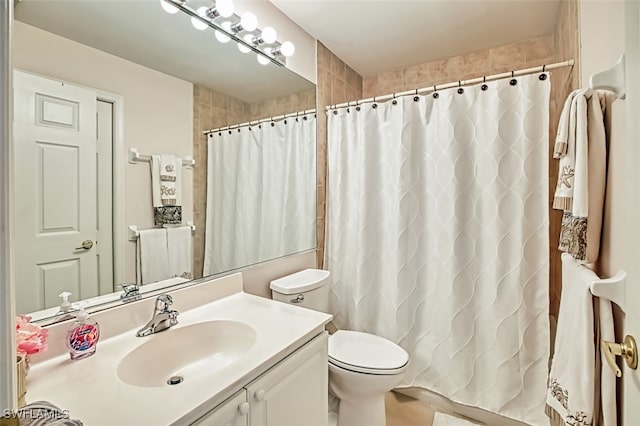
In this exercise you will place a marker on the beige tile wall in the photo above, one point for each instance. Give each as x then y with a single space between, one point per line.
338 83
212 109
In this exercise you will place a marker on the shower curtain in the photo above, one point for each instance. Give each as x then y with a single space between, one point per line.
261 199
437 238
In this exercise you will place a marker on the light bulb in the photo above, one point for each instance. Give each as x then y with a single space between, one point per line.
249 21
262 60
269 35
225 8
244 49
287 49
198 24
222 37
168 7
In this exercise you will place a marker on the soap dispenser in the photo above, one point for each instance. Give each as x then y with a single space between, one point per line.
82 337
65 306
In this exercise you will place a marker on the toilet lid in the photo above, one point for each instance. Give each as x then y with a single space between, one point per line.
366 353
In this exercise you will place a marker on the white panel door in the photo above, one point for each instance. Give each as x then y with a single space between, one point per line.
631 378
54 192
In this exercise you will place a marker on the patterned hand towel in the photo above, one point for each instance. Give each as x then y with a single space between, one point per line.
167 167
167 200
581 147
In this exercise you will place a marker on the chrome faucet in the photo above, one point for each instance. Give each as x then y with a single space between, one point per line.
162 318
131 292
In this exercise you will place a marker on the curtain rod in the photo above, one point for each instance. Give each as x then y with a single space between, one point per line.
264 120
436 87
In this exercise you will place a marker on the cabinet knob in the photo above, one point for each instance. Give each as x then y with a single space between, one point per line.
259 396
243 408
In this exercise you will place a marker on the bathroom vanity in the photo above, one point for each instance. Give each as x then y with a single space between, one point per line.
238 359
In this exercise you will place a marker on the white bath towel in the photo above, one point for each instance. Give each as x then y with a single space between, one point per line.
440 419
570 396
581 146
179 249
152 256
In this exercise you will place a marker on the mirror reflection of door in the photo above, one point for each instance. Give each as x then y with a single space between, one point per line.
62 192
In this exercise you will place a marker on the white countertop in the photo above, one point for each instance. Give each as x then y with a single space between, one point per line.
92 392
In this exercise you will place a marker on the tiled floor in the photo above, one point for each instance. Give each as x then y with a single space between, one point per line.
405 411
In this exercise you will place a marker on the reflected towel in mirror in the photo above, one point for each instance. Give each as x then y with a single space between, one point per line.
166 195
152 263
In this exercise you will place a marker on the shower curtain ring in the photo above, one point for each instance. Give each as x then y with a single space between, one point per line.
513 81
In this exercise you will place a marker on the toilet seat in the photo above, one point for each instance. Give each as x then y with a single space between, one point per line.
366 353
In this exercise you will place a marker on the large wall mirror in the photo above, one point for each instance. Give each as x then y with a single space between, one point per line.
155 84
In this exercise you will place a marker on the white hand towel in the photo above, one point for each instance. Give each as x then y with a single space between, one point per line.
168 167
570 397
153 256
179 249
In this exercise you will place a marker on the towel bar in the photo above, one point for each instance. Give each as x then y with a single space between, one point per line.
134 233
613 289
136 157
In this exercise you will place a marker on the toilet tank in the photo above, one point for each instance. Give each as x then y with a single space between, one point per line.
308 289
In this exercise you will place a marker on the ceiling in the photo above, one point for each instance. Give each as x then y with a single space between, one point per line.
142 32
373 36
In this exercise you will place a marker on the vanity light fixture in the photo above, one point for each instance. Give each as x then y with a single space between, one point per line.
248 22
221 8
197 23
286 49
225 30
168 6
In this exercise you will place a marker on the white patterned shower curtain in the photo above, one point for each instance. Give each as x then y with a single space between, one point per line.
437 238
261 201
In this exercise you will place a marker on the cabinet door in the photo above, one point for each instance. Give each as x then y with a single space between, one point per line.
233 412
295 391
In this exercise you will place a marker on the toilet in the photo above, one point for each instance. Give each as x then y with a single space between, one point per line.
362 366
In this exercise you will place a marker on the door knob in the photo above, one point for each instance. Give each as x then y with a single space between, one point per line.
86 245
627 350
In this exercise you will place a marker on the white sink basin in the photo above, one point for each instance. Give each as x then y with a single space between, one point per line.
189 352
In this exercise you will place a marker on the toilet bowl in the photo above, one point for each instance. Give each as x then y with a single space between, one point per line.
362 366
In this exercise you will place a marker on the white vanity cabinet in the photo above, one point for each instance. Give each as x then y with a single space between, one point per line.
292 393
233 412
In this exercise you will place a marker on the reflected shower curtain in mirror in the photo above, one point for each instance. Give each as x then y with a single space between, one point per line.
261 196
437 238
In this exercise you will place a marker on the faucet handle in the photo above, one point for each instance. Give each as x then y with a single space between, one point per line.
163 302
